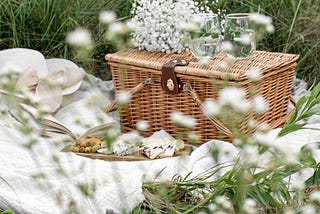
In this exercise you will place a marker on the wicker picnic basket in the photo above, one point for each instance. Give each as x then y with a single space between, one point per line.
162 83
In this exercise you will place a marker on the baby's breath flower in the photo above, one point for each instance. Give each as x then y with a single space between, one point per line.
270 28
142 125
235 98
160 24
124 97
107 17
226 46
223 202
117 28
249 206
79 37
183 120
309 209
315 196
260 19
204 61
211 108
254 75
259 104
264 138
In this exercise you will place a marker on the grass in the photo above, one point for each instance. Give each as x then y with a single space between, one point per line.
42 25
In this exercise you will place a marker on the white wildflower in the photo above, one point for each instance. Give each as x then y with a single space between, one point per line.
107 17
183 120
160 24
117 28
235 98
249 206
254 75
142 125
211 108
260 19
264 138
245 39
79 37
289 155
249 155
124 97
204 61
309 209
260 105
221 65
315 196
270 28
223 202
194 137
226 46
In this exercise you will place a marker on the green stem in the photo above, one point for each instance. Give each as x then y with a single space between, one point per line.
201 203
292 24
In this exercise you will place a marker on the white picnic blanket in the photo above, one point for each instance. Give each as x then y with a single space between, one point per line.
35 182
44 180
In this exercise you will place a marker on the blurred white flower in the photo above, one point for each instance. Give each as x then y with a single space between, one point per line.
235 98
204 61
264 138
254 74
183 120
245 39
117 28
211 108
249 154
309 209
161 25
226 46
249 206
124 97
223 202
79 37
259 104
315 196
260 19
270 28
107 17
221 65
142 125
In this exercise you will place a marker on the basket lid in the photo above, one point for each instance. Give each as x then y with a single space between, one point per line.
219 67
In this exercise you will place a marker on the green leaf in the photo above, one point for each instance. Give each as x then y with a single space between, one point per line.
291 128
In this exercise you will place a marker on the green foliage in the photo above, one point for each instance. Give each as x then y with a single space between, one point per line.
305 108
7 212
43 25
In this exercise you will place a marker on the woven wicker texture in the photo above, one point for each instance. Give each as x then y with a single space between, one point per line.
149 102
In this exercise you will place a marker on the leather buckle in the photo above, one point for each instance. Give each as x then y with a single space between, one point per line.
170 83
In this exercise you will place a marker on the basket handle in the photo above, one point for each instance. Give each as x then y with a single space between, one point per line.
187 87
132 91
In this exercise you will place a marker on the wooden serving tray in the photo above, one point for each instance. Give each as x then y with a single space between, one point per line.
133 157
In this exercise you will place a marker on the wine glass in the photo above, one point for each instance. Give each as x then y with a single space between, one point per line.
206 39
239 36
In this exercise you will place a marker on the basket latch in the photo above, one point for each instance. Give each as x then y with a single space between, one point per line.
170 83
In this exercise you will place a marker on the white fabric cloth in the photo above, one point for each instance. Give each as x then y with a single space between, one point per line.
34 182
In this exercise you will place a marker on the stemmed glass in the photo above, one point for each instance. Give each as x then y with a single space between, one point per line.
206 39
238 34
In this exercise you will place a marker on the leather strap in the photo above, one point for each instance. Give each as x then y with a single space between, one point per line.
170 83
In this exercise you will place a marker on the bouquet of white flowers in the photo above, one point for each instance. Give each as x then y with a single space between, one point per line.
160 23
